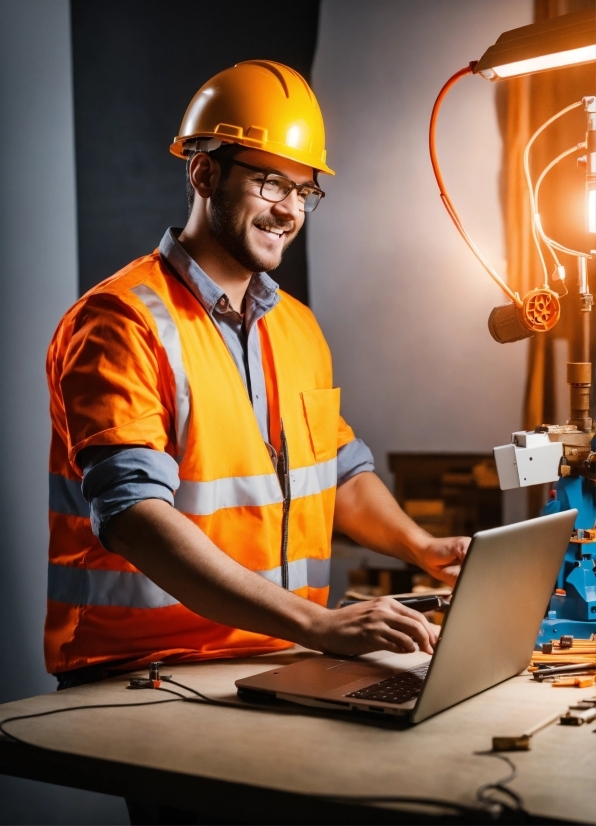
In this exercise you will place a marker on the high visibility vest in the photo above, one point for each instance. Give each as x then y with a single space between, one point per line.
100 607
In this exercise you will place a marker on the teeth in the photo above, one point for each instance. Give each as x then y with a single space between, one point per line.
271 230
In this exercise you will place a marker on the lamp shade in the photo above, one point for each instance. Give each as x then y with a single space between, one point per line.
561 41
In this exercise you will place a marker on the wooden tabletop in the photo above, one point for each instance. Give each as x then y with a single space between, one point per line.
260 766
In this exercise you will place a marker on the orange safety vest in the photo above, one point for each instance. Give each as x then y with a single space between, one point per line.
139 361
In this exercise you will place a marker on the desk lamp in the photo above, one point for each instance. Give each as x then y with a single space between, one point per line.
563 454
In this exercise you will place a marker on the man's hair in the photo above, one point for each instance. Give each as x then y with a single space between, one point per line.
225 153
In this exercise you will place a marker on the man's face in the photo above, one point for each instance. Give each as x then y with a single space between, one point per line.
255 232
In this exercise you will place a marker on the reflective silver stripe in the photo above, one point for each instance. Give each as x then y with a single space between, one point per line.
302 572
66 496
170 340
307 481
205 498
122 589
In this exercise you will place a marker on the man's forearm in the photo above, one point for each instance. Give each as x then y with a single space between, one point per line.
368 514
366 511
181 559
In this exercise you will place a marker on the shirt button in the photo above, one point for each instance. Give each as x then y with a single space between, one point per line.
222 301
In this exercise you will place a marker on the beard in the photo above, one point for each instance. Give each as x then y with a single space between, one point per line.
227 228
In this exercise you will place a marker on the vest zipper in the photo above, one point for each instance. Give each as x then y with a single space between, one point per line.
287 494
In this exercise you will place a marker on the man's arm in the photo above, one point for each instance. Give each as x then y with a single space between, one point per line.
181 559
366 511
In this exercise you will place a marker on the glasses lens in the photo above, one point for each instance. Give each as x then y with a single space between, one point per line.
275 188
311 201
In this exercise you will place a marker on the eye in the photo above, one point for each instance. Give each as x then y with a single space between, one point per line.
272 185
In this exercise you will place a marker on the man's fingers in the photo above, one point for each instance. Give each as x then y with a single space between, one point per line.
397 642
462 545
415 625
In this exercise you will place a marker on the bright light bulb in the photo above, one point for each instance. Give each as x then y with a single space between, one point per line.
591 210
547 61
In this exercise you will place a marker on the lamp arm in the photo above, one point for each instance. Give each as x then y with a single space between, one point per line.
443 190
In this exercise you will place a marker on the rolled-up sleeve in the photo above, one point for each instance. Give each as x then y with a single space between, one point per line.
123 478
353 458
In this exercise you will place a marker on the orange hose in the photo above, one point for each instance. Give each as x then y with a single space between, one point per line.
467 70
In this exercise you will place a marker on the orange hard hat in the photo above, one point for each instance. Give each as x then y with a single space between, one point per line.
258 104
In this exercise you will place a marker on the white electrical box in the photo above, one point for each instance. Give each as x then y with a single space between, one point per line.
531 460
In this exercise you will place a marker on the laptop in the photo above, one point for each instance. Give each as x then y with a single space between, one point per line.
488 634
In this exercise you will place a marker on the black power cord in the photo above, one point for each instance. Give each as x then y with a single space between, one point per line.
16 739
486 794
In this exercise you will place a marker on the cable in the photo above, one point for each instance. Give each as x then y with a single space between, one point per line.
443 190
243 705
77 708
547 240
188 688
533 208
484 796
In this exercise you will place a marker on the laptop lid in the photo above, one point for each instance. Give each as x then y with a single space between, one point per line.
496 610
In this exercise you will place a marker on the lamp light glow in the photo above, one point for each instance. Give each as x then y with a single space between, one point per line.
584 54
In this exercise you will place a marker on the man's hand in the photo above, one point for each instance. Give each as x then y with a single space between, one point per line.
442 558
380 624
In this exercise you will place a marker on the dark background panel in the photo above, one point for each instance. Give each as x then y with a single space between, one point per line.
136 66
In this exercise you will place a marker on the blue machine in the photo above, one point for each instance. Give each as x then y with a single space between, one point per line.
574 612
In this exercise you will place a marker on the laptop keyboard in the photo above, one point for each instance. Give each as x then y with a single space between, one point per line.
399 689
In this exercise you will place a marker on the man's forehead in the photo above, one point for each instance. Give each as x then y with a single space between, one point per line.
300 173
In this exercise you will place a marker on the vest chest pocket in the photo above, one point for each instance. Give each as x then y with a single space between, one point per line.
321 409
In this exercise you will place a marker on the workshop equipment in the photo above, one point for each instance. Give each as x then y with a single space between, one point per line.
561 454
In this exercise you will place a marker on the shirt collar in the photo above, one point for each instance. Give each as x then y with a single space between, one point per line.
261 295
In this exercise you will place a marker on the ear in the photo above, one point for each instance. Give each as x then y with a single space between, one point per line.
204 174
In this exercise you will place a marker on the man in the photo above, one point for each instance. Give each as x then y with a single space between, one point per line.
196 402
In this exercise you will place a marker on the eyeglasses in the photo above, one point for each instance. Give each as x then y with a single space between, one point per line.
276 188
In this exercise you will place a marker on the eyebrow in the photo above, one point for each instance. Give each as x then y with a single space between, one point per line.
283 175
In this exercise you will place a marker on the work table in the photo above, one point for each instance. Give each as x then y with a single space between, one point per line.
251 766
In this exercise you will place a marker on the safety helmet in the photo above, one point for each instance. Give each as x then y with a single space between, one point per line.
258 104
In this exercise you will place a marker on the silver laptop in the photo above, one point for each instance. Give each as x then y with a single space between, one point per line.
488 635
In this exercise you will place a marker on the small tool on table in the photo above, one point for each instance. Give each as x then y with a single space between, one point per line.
576 715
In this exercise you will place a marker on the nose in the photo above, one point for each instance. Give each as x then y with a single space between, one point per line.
288 209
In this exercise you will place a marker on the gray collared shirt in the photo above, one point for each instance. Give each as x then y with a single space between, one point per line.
114 481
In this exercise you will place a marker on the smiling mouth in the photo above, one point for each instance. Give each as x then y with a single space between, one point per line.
272 232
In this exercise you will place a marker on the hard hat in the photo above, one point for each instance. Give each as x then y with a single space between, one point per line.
261 105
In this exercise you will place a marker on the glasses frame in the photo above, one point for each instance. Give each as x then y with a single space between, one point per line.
293 184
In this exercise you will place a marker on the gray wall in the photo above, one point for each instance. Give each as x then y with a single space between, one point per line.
403 302
39 281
